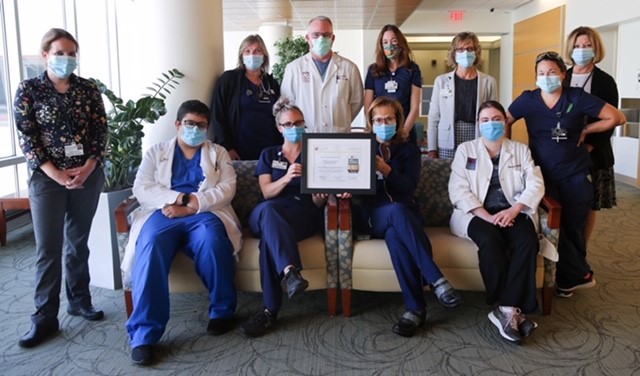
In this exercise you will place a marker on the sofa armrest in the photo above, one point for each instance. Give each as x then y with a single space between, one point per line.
331 252
122 211
553 209
549 211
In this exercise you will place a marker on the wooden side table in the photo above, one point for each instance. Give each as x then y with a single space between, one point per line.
12 207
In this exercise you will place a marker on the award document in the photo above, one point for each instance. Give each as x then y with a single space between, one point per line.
338 162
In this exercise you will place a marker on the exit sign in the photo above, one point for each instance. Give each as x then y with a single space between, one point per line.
456 15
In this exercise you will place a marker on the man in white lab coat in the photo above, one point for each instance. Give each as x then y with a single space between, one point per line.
325 86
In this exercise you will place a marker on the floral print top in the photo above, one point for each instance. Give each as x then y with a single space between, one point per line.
48 121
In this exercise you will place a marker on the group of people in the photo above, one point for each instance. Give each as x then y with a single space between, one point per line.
185 185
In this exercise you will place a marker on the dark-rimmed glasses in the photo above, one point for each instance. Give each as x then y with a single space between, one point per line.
287 125
191 124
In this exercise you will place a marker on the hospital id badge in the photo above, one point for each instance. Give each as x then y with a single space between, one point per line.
391 86
280 165
73 150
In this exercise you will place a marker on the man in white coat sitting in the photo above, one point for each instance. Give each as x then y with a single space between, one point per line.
185 187
325 86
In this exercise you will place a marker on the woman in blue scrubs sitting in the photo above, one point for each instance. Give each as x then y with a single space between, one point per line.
393 214
283 218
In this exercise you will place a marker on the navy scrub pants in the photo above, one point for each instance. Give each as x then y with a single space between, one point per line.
410 250
204 239
280 225
507 259
575 194
61 224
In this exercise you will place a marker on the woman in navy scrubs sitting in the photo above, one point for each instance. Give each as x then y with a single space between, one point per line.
392 214
283 218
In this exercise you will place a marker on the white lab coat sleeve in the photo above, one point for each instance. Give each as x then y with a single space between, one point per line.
461 192
533 181
357 92
434 116
287 88
220 186
148 187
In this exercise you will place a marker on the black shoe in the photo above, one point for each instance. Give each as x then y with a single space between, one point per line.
90 313
37 335
142 355
409 323
566 291
258 324
526 327
293 282
446 294
220 325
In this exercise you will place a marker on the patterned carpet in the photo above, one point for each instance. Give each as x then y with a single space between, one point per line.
596 332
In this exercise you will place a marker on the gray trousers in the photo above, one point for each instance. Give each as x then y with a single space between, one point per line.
61 223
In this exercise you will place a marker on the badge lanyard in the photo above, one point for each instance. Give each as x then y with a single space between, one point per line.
71 148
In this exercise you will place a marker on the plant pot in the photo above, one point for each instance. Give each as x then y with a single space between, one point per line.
104 257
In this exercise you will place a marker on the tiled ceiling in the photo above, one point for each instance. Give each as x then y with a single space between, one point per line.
249 15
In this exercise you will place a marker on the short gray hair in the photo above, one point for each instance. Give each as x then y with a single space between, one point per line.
321 19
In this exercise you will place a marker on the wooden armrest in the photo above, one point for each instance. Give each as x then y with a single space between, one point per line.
332 213
551 206
344 216
122 211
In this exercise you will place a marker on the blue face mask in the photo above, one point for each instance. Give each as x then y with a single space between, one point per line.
492 130
321 46
253 62
62 66
385 132
293 134
582 56
466 58
548 84
193 136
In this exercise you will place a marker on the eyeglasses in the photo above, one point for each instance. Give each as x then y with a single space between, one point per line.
383 120
467 49
191 124
288 125
317 35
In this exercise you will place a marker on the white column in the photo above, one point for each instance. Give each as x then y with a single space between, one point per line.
156 36
271 33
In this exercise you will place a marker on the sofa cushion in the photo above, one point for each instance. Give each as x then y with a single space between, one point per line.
432 192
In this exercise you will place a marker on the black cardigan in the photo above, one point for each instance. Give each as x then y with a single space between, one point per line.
602 86
225 106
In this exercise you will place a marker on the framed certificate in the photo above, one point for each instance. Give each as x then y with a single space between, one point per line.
338 162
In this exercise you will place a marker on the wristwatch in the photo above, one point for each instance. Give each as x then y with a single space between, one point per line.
185 199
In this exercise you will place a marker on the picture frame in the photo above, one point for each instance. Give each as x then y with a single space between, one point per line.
336 163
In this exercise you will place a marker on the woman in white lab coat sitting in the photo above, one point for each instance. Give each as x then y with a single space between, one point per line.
495 189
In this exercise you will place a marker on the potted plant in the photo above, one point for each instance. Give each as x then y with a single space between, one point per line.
125 121
289 49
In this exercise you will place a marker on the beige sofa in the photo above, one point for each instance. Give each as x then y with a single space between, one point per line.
334 260
366 264
314 251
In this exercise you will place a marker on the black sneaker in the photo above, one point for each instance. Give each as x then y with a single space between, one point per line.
220 325
142 355
507 323
525 326
409 323
566 291
446 294
258 324
293 282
